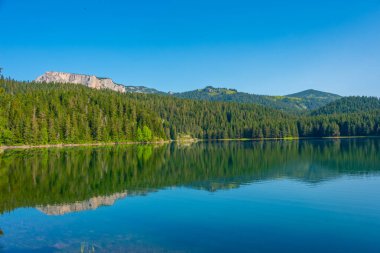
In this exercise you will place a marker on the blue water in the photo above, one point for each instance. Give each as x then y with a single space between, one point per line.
242 212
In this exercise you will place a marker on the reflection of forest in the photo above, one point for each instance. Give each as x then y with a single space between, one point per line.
59 176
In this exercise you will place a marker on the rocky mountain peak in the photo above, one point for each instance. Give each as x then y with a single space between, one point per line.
90 81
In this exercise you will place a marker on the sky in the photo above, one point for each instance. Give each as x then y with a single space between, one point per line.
262 47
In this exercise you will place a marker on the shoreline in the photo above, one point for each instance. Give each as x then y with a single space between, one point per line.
65 145
99 144
292 138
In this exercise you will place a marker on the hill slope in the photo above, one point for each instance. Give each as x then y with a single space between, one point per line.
310 93
305 100
143 89
313 99
349 105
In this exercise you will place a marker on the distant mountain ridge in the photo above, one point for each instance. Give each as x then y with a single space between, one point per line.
143 89
313 99
313 93
305 100
297 102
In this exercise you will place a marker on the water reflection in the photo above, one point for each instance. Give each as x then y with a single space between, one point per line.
91 204
59 181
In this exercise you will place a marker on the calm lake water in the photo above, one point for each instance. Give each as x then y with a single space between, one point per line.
275 196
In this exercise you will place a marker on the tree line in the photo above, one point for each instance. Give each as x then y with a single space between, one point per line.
49 113
349 105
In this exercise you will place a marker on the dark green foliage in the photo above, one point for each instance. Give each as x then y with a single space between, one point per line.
349 105
217 120
60 113
221 120
43 113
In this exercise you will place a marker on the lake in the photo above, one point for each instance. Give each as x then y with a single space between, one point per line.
272 196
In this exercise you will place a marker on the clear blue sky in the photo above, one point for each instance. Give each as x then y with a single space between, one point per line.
263 47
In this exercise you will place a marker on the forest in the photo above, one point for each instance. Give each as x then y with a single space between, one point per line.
349 105
51 113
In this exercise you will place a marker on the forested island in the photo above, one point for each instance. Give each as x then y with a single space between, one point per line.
33 113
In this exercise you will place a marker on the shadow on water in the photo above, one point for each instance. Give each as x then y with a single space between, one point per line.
84 178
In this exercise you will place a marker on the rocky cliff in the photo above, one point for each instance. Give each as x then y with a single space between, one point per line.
87 80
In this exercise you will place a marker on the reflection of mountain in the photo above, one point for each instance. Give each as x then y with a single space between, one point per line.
91 204
51 177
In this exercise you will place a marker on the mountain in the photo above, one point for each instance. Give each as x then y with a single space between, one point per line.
305 100
310 93
92 81
298 102
143 89
313 99
349 105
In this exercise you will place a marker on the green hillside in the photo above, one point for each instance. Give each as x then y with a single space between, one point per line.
314 94
349 105
303 101
143 89
313 99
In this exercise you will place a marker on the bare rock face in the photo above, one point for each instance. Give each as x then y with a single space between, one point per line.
87 80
